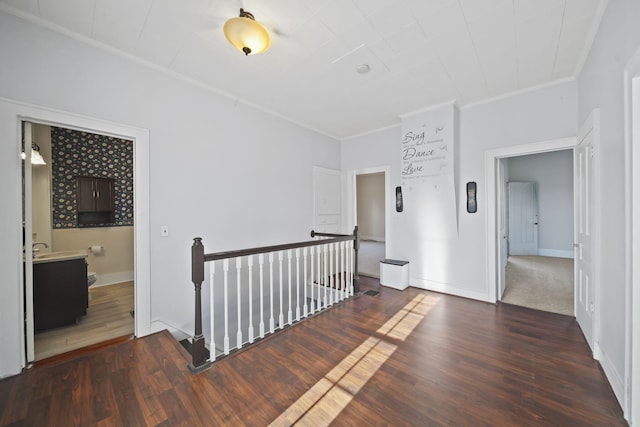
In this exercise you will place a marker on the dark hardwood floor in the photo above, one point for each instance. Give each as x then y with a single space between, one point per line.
399 358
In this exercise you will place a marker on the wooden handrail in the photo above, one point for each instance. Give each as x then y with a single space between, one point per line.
265 249
315 233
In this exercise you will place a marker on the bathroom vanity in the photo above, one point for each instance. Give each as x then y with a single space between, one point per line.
60 293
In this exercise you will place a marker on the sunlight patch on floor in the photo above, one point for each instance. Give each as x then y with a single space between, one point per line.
322 403
402 323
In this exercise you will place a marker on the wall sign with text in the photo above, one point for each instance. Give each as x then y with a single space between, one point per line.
427 150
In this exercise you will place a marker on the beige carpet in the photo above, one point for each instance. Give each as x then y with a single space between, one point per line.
543 283
369 257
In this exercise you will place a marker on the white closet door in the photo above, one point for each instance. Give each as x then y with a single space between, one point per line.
327 189
523 218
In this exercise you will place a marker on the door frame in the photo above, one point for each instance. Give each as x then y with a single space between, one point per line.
631 405
352 199
140 137
492 175
26 136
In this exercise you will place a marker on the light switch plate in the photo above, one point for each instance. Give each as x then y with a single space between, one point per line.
164 230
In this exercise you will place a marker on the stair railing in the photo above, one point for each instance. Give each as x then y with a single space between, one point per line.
319 273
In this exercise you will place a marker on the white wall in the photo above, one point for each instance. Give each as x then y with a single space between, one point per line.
553 174
458 266
601 85
219 169
371 209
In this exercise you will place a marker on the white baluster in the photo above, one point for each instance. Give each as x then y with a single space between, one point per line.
261 262
280 316
212 341
289 313
319 278
298 284
239 334
332 279
336 277
345 261
351 264
325 272
338 273
312 302
271 320
346 269
305 307
347 276
225 267
343 271
250 265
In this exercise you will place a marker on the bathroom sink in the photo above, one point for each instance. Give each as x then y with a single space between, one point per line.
59 256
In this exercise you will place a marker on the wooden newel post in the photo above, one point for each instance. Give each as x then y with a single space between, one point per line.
356 247
199 360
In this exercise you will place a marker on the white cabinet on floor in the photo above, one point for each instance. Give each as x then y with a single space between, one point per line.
394 273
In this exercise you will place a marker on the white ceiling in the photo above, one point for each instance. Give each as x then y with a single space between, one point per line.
421 52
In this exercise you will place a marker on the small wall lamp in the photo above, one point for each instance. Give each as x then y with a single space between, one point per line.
36 157
246 34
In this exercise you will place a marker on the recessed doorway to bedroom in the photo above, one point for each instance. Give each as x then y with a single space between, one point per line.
370 209
538 211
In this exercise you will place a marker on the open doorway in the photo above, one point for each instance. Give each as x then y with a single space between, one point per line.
371 220
495 172
537 205
12 114
82 257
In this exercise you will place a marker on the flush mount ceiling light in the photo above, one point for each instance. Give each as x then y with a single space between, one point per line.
36 157
246 34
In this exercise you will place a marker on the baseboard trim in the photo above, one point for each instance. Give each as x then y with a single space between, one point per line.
373 238
446 288
556 253
613 376
178 334
113 278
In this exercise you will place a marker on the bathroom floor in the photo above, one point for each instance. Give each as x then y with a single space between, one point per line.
108 316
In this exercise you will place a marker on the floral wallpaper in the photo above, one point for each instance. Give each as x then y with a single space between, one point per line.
75 153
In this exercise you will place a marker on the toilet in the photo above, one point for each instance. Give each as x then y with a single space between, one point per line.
91 278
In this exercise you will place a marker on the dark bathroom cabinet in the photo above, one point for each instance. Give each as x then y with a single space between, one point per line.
95 200
60 293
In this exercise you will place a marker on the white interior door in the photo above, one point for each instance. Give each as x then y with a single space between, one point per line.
502 228
584 261
28 249
523 218
327 209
